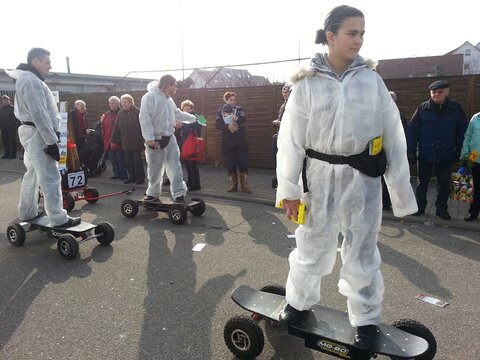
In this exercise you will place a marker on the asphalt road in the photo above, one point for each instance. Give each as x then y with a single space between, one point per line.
149 296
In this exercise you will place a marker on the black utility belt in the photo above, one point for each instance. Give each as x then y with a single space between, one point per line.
29 123
163 142
371 165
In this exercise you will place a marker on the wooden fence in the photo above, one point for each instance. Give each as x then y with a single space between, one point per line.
262 103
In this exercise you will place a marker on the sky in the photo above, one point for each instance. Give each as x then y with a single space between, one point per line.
135 38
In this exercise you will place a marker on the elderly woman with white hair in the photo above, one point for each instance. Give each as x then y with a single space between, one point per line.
80 123
127 131
114 151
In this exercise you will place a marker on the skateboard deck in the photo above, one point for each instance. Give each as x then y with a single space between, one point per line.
326 329
165 205
42 221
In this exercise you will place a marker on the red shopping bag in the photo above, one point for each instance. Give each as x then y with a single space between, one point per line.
193 149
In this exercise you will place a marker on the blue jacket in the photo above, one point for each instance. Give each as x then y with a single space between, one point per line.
436 131
472 138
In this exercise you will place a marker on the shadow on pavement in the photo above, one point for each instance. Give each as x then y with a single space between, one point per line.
27 270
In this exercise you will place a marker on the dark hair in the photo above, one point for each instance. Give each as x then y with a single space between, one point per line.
334 20
166 80
38 53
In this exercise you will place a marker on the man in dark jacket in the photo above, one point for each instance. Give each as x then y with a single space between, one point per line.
9 125
436 133
286 90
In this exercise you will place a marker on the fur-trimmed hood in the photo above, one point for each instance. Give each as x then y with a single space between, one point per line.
319 63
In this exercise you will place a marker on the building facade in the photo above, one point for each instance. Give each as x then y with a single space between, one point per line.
464 60
66 83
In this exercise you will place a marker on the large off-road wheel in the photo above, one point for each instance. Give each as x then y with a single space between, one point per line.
420 330
16 234
67 246
198 209
129 208
244 337
105 233
177 214
91 195
68 201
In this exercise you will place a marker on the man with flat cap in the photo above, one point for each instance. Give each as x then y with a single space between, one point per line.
434 138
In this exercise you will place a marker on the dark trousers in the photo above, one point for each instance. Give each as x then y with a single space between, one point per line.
274 148
117 158
387 203
9 139
90 159
236 157
475 206
443 173
133 160
193 175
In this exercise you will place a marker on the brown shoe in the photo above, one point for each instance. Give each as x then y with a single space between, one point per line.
244 183
233 182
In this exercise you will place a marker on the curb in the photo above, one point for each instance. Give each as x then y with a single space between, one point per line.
428 219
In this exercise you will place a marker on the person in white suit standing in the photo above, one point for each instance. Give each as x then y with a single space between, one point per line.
37 111
339 130
158 113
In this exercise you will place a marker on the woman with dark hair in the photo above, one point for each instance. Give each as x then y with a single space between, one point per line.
341 127
231 122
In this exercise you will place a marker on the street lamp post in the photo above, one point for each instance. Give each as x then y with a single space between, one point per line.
183 65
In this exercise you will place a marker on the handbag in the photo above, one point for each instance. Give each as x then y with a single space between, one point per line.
193 149
462 186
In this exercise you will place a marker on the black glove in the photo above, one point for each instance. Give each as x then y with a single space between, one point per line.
53 151
412 157
464 162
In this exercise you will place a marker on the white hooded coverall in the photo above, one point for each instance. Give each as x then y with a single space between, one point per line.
157 118
35 103
339 116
